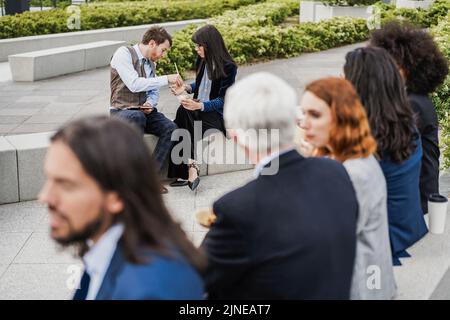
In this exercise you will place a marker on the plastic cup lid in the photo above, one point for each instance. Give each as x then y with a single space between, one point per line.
436 197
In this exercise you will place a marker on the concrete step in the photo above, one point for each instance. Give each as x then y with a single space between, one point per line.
30 150
34 65
22 159
9 186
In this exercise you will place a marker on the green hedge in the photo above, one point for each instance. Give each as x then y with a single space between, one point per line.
420 17
253 33
249 44
49 3
441 98
244 22
111 15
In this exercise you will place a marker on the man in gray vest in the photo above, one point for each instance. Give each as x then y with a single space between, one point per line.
135 88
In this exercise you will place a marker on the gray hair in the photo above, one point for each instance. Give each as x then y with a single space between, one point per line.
262 110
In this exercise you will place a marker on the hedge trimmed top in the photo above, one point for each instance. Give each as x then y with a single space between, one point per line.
100 15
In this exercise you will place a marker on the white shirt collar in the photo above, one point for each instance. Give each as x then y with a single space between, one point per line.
139 53
267 159
99 256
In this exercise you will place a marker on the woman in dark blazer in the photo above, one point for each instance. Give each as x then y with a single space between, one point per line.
424 68
380 87
216 72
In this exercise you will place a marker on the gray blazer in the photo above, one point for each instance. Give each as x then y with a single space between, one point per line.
373 275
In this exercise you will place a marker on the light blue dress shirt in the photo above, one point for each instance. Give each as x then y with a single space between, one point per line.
204 90
99 256
122 62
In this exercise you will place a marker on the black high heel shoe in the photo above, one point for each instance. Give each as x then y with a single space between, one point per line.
194 184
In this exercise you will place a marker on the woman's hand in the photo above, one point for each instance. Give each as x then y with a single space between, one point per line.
178 89
192 105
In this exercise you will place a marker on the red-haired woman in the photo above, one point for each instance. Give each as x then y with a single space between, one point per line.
336 126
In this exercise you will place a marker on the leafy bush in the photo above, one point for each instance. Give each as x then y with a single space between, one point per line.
110 15
419 17
438 11
253 33
245 23
441 98
116 1
49 3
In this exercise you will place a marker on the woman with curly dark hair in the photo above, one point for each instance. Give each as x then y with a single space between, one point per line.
374 74
424 68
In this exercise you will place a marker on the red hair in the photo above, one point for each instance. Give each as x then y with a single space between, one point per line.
350 135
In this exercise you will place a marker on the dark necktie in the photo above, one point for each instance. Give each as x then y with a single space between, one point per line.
152 68
143 68
80 294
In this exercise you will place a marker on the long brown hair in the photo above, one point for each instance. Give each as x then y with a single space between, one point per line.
216 52
114 154
350 135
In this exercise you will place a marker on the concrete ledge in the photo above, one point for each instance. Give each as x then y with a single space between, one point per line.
9 185
223 155
22 159
43 64
127 34
31 149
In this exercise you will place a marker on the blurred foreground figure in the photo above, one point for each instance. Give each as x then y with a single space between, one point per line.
103 198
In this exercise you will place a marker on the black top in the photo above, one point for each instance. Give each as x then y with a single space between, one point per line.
427 123
291 235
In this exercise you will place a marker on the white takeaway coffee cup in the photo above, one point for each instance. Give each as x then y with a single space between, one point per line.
437 212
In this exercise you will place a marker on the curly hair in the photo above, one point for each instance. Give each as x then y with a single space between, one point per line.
416 53
381 89
350 135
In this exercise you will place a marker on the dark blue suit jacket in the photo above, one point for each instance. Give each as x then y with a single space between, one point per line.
160 278
291 235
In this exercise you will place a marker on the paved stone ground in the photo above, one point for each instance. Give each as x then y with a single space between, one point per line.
28 107
426 275
32 266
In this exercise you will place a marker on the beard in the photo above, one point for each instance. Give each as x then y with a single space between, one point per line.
80 238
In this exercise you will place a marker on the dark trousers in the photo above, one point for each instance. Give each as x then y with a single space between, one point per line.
154 123
185 120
